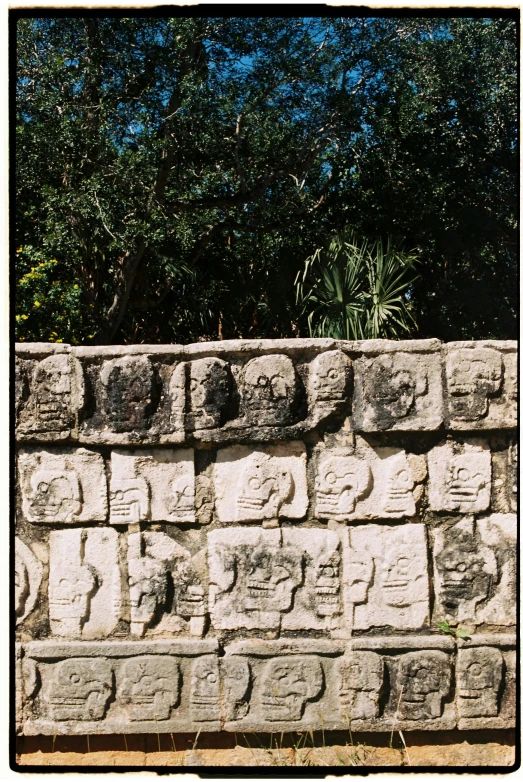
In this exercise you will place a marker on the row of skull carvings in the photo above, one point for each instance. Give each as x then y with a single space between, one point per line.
473 687
112 400
280 580
69 485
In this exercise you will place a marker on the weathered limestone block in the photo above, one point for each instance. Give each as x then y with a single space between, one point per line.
210 388
318 601
55 397
165 589
269 391
79 689
482 385
512 477
66 485
363 483
486 682
420 689
475 570
116 687
359 676
460 477
386 576
28 577
155 484
330 384
129 393
219 688
150 686
398 390
253 576
266 483
84 582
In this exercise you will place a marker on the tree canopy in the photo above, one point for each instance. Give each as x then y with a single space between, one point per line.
173 174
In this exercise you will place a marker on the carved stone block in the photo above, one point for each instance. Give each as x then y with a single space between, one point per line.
479 672
364 483
210 385
164 587
359 676
149 686
253 577
398 391
56 396
79 689
475 570
63 485
330 383
269 391
266 483
460 477
121 687
512 476
130 393
84 582
219 688
28 577
482 387
386 576
421 683
152 484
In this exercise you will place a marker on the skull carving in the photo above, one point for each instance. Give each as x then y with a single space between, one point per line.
463 484
70 592
467 572
58 392
423 680
269 390
327 583
148 591
129 501
341 481
393 386
400 483
55 495
473 375
80 689
402 574
265 486
130 389
329 379
288 684
360 677
271 577
205 689
210 383
479 672
181 499
150 685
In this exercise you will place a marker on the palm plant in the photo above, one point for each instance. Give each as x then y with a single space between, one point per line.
354 289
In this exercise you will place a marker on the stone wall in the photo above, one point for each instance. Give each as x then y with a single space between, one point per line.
266 536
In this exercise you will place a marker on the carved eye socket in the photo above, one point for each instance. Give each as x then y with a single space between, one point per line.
328 571
463 474
64 582
422 674
263 381
333 374
403 565
43 488
330 478
75 678
403 476
461 567
475 669
254 483
212 678
147 680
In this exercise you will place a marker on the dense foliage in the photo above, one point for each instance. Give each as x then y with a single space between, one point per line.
173 175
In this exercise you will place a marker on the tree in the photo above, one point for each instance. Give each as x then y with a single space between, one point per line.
172 175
